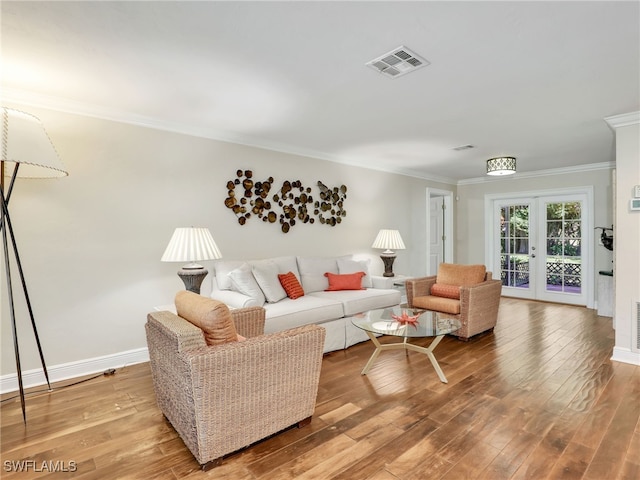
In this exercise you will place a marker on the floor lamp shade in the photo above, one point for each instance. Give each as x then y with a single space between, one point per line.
191 245
25 143
388 240
27 152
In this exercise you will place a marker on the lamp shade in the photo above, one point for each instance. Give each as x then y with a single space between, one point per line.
191 244
25 142
388 240
501 166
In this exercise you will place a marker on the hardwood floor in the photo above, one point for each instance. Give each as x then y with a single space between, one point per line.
537 399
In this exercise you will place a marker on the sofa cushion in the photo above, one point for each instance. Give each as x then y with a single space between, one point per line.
305 310
347 281
211 316
347 265
440 304
312 270
447 291
243 281
460 275
266 274
356 301
291 285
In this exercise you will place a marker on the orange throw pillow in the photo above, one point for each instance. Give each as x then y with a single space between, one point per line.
291 285
446 291
346 281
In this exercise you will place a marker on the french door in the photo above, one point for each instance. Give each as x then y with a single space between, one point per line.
542 247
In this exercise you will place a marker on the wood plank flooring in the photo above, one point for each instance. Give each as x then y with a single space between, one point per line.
536 399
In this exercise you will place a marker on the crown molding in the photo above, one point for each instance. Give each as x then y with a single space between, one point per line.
543 173
104 113
624 120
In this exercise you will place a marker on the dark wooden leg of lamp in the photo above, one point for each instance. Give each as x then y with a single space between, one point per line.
193 278
6 227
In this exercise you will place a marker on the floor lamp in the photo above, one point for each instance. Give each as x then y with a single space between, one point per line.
27 152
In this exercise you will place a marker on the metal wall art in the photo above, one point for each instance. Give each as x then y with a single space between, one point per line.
294 202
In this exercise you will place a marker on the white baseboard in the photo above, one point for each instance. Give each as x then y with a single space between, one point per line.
65 371
625 355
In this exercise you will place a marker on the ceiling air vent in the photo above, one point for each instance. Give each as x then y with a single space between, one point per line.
463 147
397 62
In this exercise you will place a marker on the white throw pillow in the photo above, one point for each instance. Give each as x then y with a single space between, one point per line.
312 270
222 269
266 274
243 281
352 266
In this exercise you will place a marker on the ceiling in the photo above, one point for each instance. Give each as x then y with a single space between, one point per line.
530 79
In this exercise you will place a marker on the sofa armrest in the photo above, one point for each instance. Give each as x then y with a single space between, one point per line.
418 287
249 322
383 283
234 299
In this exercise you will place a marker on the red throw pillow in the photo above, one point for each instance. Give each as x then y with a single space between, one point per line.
446 291
291 285
346 281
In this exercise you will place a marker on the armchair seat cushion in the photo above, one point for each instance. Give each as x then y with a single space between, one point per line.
439 304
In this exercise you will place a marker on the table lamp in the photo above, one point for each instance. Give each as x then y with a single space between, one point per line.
388 240
191 245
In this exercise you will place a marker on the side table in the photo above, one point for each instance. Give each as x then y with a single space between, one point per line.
398 282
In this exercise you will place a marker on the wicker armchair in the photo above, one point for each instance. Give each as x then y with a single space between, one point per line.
478 302
225 397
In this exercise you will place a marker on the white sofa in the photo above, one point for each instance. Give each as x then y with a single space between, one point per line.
255 283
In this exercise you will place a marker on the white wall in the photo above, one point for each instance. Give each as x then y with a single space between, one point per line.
91 243
627 238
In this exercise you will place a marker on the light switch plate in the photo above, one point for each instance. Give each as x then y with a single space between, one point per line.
636 191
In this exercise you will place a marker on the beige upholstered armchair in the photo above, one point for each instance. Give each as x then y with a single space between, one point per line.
465 292
221 391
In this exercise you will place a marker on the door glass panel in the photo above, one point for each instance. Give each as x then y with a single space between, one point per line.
514 246
564 239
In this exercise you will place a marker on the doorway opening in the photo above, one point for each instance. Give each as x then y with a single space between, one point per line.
439 239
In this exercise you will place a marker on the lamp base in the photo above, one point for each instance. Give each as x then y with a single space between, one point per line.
193 278
388 265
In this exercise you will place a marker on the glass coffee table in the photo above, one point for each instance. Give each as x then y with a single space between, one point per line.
429 324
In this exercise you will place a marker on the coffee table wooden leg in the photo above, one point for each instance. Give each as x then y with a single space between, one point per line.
374 355
434 362
428 351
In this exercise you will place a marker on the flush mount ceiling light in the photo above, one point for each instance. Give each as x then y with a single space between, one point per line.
501 166
397 62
